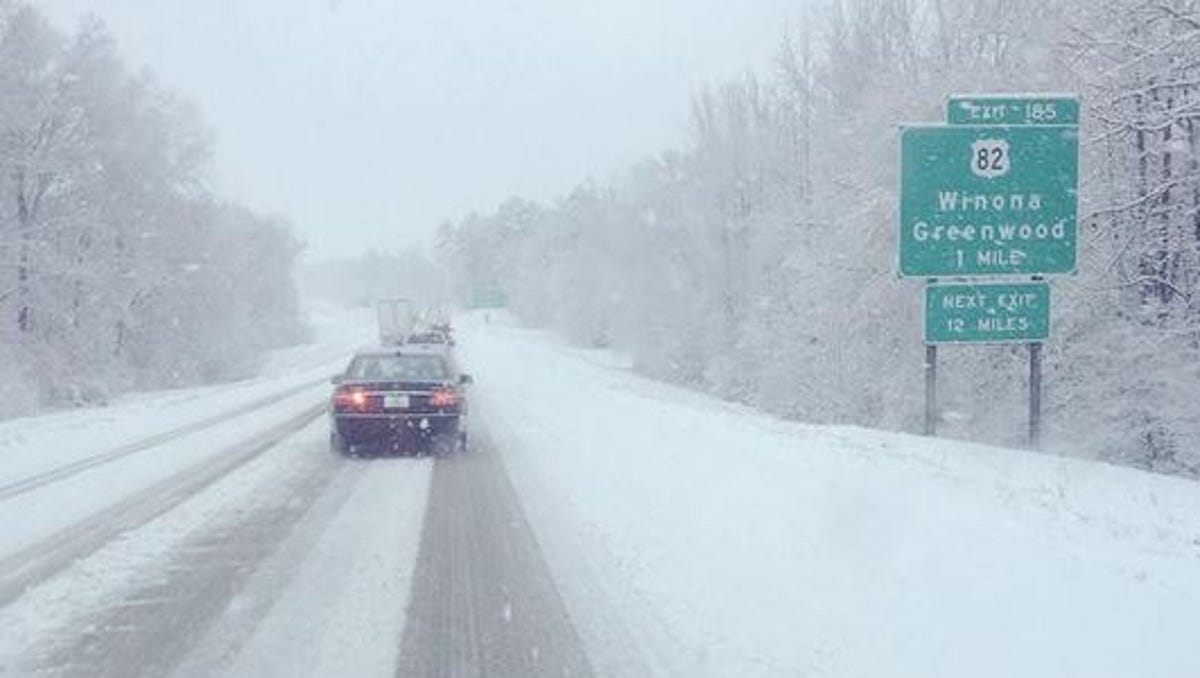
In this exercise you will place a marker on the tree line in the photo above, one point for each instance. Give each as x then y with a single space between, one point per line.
119 267
757 262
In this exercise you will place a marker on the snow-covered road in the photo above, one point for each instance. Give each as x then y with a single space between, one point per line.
297 564
214 533
602 524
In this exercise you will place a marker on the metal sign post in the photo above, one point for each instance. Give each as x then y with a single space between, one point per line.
931 390
1035 395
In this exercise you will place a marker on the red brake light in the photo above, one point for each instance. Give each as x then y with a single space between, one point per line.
354 399
444 397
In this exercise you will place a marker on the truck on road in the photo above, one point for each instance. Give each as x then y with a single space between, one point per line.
397 319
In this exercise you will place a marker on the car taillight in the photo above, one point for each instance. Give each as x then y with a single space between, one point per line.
444 397
350 399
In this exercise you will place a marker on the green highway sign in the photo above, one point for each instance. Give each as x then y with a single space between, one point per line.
988 200
1012 109
987 313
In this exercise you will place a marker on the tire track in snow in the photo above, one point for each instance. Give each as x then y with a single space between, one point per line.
148 630
38 562
60 473
483 601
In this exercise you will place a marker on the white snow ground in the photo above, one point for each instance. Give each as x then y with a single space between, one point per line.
694 537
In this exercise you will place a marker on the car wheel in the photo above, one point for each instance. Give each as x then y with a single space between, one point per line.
338 445
442 445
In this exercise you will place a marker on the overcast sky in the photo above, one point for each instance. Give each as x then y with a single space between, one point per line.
368 122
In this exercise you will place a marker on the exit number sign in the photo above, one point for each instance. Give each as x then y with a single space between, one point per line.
1012 109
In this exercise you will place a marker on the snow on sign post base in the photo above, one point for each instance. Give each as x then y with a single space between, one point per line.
988 200
991 313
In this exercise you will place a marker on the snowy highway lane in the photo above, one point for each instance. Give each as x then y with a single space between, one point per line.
226 539
78 478
299 563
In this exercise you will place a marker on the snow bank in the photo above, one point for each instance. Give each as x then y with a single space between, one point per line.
694 537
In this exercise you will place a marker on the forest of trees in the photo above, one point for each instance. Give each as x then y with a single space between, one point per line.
119 268
758 261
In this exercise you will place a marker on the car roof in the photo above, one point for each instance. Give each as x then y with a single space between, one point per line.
405 349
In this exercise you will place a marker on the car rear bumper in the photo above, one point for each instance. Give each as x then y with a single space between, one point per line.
366 428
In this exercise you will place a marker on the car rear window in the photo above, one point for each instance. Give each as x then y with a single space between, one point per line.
427 338
398 368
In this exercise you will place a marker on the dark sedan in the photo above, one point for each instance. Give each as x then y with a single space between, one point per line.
404 398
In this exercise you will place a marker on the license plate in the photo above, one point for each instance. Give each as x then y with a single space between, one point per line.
395 401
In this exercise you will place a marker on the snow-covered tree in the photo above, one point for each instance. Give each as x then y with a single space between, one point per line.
757 262
112 248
